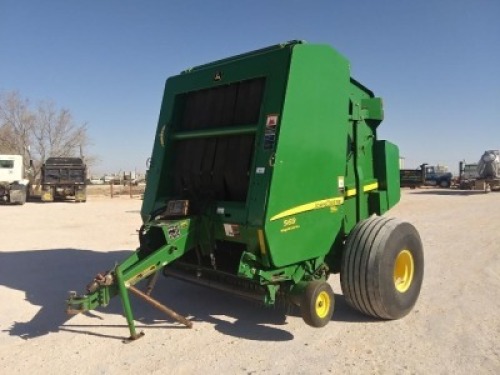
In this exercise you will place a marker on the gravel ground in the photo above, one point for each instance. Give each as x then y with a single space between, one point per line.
48 249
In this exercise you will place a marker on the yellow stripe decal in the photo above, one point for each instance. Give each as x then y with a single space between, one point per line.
350 192
317 205
370 187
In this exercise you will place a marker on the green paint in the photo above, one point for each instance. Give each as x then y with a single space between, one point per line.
315 168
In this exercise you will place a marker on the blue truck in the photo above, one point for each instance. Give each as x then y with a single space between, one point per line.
435 176
427 175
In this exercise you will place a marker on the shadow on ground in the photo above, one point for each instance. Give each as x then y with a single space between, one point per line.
345 313
46 276
452 192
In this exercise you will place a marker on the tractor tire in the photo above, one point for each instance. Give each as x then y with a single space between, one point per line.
382 267
317 304
17 194
444 184
22 200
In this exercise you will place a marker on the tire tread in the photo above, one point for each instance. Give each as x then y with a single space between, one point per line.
361 259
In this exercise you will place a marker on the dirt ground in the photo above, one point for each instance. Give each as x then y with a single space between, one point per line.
49 249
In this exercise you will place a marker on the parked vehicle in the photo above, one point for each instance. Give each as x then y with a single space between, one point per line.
468 174
427 175
14 187
412 178
437 176
63 177
488 169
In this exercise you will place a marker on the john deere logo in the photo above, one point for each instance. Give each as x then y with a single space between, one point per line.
217 76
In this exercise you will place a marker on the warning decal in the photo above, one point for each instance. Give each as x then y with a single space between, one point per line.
270 131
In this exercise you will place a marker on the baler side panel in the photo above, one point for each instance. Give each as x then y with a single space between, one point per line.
305 212
362 181
365 177
386 155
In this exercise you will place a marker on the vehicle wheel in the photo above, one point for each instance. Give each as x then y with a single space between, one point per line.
382 267
317 304
21 196
22 200
444 183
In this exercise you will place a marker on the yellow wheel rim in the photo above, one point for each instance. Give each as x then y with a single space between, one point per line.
322 305
404 268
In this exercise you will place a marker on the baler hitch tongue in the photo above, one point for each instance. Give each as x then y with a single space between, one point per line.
99 292
105 286
73 305
101 280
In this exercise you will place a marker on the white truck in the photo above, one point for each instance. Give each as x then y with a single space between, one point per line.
488 169
14 187
484 175
467 175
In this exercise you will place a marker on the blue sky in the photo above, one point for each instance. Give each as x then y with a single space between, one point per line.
435 63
